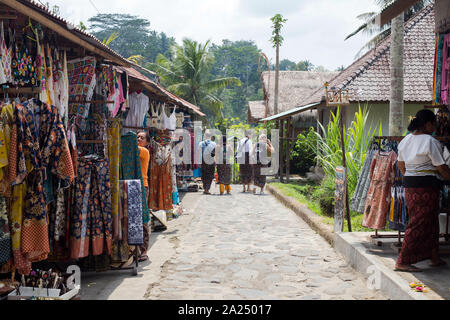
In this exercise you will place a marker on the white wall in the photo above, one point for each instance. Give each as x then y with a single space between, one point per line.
378 113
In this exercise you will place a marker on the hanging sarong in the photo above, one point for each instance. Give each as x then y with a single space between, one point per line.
82 82
114 169
91 225
5 236
135 225
130 167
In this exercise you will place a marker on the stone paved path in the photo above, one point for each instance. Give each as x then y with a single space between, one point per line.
249 246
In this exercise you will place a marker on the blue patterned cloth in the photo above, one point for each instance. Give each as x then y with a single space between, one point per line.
358 203
5 237
135 225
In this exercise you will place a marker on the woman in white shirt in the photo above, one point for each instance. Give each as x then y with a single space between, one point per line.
421 161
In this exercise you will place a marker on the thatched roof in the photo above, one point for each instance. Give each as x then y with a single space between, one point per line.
294 87
256 111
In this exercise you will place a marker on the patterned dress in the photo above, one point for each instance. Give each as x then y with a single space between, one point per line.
38 150
160 177
382 174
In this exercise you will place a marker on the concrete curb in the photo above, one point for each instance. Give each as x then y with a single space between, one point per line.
391 284
311 218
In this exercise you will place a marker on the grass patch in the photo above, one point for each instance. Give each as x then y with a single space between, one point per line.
306 192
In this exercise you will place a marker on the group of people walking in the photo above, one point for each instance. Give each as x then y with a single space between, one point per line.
252 158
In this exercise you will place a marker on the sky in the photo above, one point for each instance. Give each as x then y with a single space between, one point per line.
315 29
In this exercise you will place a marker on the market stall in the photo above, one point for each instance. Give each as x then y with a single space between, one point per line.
72 190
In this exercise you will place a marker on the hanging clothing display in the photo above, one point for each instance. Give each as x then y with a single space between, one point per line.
157 117
358 202
382 176
5 236
130 167
135 225
160 197
139 106
91 225
169 123
41 143
114 169
82 80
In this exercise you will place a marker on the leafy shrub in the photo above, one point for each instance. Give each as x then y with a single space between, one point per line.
303 155
325 195
356 141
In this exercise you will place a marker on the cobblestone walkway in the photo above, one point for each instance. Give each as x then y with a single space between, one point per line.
249 246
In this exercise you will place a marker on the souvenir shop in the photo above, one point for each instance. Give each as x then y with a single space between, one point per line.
72 190
379 193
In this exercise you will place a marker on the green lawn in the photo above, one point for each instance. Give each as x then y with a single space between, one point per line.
304 193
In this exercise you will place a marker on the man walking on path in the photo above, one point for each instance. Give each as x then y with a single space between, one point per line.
208 149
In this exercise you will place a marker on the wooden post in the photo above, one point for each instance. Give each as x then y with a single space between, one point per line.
288 148
344 164
282 150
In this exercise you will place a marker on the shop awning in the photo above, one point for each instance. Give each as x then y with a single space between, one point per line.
291 113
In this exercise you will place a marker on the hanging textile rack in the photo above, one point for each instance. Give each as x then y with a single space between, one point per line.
399 236
91 102
91 141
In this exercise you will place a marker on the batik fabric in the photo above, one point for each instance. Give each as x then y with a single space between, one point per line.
130 167
82 80
422 233
135 225
113 132
91 222
382 174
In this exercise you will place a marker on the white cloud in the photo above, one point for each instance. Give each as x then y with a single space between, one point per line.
315 29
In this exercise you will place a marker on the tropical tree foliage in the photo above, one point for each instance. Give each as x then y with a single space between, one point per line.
132 35
188 75
369 28
238 59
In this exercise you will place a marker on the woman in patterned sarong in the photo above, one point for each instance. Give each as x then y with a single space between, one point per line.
421 161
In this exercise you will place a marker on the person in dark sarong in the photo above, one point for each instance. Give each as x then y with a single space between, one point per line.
421 161
262 152
208 149
223 152
243 158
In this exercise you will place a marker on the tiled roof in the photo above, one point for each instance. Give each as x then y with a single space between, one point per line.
370 75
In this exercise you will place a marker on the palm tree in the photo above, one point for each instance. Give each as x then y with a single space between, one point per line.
369 28
188 75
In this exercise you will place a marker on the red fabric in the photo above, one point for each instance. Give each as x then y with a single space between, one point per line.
422 234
